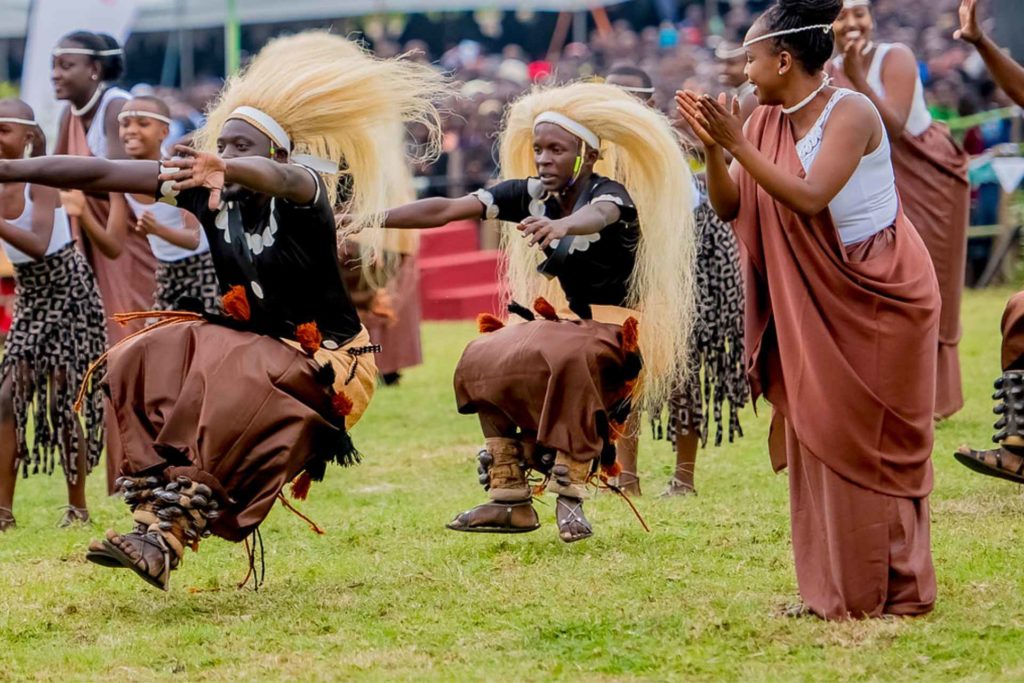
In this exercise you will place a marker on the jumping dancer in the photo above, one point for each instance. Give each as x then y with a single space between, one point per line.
593 256
218 414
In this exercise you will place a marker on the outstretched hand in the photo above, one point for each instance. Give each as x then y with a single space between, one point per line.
196 169
686 103
542 231
969 30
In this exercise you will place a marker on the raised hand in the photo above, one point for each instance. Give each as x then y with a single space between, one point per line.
686 103
969 31
73 202
721 120
147 224
853 61
196 169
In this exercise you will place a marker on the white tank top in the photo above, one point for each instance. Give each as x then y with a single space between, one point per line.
868 203
920 118
96 136
60 237
172 217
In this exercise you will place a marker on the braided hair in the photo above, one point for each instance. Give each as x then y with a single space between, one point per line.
812 48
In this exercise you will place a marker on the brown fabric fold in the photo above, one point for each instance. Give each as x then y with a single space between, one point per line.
857 553
931 176
842 343
1013 333
553 379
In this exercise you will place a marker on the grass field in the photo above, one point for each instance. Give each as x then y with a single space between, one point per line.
389 594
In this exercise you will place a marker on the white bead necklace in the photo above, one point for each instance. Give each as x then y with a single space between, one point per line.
807 100
90 104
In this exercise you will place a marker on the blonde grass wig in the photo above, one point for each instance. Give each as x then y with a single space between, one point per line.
338 102
639 149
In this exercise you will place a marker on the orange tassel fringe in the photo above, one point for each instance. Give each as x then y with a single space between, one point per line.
236 303
485 322
291 508
341 404
545 309
309 337
631 335
300 486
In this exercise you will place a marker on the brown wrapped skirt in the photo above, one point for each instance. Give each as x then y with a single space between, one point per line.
243 408
556 380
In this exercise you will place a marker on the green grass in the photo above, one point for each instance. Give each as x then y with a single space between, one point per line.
389 594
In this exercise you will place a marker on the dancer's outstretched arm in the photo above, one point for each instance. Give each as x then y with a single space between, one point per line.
194 169
83 173
433 212
1008 74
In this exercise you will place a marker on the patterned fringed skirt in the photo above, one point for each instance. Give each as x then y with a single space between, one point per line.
717 343
193 277
57 331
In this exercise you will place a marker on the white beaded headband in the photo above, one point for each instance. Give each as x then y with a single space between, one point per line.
575 127
825 28
14 119
135 113
57 52
850 4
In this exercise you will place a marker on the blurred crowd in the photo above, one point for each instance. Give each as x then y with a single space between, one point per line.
675 54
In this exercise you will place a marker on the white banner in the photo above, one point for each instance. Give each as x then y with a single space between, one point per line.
1010 171
49 21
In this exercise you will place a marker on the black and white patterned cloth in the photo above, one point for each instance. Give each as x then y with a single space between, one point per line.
193 277
717 343
57 331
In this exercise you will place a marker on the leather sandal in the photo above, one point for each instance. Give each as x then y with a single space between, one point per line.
463 522
991 463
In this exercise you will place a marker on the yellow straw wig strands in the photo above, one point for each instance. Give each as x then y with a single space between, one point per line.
640 150
337 102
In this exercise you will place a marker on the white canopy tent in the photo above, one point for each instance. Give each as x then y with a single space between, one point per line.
169 15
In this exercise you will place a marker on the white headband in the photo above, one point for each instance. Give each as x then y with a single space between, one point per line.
266 125
143 115
722 52
13 119
825 28
574 127
639 91
57 52
850 4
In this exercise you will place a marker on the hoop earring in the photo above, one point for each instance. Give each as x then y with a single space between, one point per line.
95 77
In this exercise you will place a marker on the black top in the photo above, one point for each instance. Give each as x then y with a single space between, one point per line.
286 257
592 269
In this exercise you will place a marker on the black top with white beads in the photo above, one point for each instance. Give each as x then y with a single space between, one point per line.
285 255
596 268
